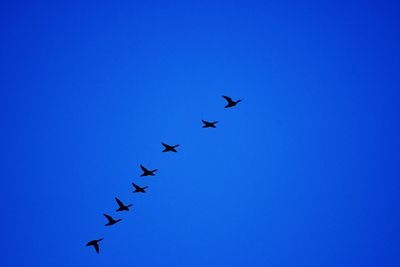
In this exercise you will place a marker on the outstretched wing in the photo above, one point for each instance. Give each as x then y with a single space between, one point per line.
143 168
108 217
205 122
227 98
119 202
96 247
135 186
165 145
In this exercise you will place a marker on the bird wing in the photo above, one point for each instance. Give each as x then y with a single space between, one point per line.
136 186
119 202
166 146
205 122
143 168
96 247
227 98
108 217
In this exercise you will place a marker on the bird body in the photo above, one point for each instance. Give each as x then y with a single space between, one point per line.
95 244
231 103
168 148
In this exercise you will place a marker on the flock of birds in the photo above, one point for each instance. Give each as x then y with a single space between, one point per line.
147 172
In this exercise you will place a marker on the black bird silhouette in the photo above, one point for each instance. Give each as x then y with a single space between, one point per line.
146 172
110 219
209 124
95 244
122 206
231 103
139 189
169 148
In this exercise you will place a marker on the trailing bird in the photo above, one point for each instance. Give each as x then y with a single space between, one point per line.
231 103
169 148
110 219
95 244
122 206
139 189
209 124
147 172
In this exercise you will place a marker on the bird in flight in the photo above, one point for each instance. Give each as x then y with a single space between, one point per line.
110 219
95 244
169 148
147 172
122 206
231 103
209 124
139 189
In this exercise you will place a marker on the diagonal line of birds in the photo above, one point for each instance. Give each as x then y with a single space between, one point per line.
146 172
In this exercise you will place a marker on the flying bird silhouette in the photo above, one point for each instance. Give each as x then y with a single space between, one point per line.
209 124
110 219
95 244
169 148
122 206
139 189
147 172
231 103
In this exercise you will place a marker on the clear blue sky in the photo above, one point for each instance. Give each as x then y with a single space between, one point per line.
304 172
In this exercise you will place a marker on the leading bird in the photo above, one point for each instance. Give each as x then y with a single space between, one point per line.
231 103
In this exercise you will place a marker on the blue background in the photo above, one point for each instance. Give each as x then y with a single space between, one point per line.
304 172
